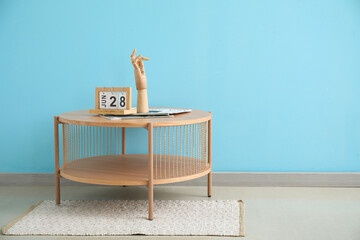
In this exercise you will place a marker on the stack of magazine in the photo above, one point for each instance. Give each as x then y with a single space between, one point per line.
153 112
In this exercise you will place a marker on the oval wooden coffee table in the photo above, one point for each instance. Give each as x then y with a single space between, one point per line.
94 150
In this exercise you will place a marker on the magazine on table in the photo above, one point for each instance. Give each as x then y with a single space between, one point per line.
153 112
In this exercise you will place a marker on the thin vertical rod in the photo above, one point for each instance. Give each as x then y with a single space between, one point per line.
88 139
165 157
71 142
180 134
111 141
108 141
64 144
100 141
93 140
118 140
169 151
177 156
77 137
123 140
156 152
160 150
97 130
193 148
169 147
74 141
184 170
173 151
83 141
187 149
57 167
210 156
151 171
77 141
103 140
190 148
198 145
68 142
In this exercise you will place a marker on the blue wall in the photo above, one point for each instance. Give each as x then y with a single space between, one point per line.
282 77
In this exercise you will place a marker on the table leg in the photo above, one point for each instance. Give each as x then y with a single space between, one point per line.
151 171
57 167
210 157
123 140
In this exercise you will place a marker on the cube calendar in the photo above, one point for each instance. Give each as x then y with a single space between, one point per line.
113 101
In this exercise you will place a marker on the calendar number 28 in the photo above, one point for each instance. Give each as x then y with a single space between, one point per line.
112 100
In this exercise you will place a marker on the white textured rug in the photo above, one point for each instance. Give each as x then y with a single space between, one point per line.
129 217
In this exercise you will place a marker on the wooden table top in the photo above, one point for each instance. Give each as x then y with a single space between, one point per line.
83 117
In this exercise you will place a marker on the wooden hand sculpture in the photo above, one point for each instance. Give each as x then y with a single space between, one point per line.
141 82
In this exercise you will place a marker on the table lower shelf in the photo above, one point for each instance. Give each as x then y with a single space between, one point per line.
132 169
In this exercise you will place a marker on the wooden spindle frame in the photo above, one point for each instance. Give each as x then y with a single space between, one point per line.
94 151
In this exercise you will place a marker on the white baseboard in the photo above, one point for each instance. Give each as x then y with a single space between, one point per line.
231 179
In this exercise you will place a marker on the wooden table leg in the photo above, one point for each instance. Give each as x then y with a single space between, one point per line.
123 140
57 167
210 157
151 172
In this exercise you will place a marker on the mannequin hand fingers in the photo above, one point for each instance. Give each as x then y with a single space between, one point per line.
137 58
141 65
133 54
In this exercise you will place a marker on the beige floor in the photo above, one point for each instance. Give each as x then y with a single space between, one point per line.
270 213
